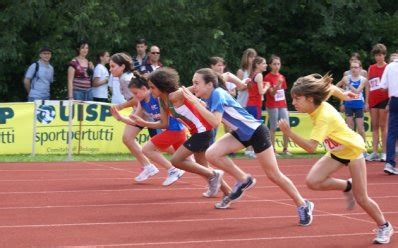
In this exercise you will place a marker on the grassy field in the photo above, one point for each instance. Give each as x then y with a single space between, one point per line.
101 157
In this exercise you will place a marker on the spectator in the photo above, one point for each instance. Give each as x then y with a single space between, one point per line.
356 57
353 109
244 72
114 88
275 101
39 77
79 71
140 59
389 81
123 63
153 62
101 75
376 102
218 64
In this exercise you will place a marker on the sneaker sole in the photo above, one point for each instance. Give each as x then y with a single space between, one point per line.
245 189
218 185
224 207
387 171
311 208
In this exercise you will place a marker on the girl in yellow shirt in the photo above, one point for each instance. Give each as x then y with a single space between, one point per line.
345 147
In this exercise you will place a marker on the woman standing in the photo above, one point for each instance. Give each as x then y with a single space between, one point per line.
79 75
101 76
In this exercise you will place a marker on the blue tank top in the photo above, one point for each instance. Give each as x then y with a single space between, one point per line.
152 110
357 103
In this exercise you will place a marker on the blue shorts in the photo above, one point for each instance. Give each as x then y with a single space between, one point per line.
354 112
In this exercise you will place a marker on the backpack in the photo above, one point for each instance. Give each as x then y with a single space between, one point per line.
34 74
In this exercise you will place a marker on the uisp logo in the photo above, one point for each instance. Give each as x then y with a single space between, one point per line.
45 114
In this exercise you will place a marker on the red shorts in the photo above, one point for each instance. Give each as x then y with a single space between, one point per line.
169 138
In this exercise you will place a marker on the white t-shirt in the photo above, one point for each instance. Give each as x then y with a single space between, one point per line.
389 80
102 73
117 97
124 83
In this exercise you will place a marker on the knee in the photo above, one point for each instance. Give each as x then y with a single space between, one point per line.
361 199
212 155
274 176
313 183
175 161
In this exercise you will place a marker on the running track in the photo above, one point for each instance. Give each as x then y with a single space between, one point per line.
97 204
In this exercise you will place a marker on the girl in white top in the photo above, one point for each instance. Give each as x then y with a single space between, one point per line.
101 75
114 88
244 72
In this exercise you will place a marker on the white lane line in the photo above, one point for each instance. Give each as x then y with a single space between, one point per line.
152 189
140 222
204 201
226 240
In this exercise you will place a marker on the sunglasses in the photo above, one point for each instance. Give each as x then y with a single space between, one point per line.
155 52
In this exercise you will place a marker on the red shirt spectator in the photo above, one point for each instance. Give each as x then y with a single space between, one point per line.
279 99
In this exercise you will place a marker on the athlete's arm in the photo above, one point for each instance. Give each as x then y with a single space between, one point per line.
214 119
308 145
262 89
160 124
345 96
229 77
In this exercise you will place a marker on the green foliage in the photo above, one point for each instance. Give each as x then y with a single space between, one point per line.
310 36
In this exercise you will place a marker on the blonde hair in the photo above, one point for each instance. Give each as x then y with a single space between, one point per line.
315 86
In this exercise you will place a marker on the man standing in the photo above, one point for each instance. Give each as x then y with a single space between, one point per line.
390 81
39 77
141 58
153 62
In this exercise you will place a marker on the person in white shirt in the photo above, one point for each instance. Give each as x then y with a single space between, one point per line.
100 78
114 88
389 81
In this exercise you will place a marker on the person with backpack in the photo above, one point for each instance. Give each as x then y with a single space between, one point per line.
39 76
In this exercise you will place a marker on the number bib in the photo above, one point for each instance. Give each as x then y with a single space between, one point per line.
279 95
374 84
332 145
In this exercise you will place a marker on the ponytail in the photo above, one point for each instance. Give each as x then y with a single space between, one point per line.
123 59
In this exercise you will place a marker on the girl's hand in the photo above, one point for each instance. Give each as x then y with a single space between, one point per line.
189 96
138 120
284 126
342 108
348 95
115 113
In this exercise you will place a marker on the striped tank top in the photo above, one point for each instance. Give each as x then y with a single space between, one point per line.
190 117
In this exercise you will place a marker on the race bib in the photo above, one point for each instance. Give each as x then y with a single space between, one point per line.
332 145
279 95
374 84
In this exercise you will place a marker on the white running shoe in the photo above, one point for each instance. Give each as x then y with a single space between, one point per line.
373 157
250 154
389 169
383 157
350 197
173 175
215 182
147 172
383 234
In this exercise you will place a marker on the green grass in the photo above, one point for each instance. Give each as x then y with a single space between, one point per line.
103 157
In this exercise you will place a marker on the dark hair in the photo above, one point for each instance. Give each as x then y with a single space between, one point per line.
272 58
215 60
379 49
80 45
355 55
99 55
138 81
123 59
314 85
256 61
140 41
210 76
165 79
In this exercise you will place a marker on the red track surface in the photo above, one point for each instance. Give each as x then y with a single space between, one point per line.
97 204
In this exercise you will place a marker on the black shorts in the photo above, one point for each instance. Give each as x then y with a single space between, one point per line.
199 142
381 105
341 160
354 112
260 140
152 132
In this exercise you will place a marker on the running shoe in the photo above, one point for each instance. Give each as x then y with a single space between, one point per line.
224 203
350 197
215 182
305 213
173 175
373 157
383 234
390 169
147 172
241 187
